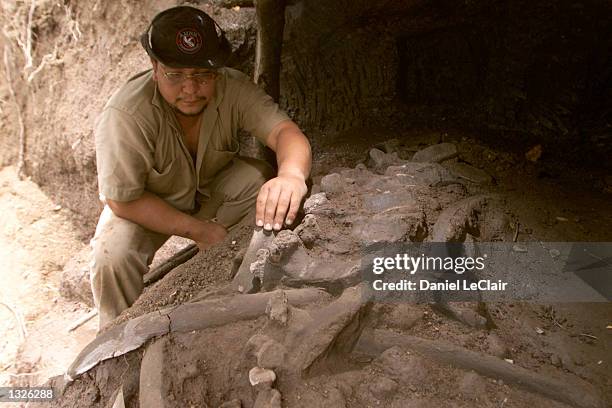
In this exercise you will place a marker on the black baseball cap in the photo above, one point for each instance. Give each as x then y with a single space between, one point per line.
186 37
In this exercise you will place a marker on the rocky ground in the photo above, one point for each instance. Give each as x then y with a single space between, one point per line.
293 324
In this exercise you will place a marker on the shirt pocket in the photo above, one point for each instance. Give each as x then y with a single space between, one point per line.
215 160
224 143
164 182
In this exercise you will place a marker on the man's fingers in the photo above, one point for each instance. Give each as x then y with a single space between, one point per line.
296 199
284 200
278 202
262 198
271 203
212 233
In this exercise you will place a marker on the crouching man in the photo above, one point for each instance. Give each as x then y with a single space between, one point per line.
166 149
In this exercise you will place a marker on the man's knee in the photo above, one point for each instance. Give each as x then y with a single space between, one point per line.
115 266
243 179
121 252
235 189
114 254
118 239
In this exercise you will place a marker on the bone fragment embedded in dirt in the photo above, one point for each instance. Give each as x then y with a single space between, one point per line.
258 269
261 376
132 334
153 387
268 398
333 183
376 158
330 331
268 352
390 228
436 153
283 246
357 177
314 202
579 394
473 215
308 231
379 160
120 340
237 261
469 173
244 281
286 260
421 174
277 309
380 203
271 355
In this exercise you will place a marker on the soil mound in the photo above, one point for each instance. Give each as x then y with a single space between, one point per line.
296 324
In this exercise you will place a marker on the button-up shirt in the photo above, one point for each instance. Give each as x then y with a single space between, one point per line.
140 147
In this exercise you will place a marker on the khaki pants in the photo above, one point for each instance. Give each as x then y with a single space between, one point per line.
123 250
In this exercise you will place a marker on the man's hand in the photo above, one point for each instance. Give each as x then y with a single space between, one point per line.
208 233
155 214
279 200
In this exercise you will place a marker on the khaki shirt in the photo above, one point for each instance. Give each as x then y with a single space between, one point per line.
139 142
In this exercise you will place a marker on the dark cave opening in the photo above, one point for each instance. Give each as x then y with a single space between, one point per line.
519 73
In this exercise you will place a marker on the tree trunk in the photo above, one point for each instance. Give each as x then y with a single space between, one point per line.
270 27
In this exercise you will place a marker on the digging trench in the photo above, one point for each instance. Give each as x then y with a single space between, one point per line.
289 319
298 323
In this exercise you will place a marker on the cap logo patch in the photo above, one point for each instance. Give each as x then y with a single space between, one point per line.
189 40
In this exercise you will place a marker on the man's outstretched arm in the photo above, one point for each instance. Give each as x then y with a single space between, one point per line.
155 214
279 199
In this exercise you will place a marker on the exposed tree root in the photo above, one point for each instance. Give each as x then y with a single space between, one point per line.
22 143
177 259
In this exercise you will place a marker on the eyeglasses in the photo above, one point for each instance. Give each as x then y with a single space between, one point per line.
202 78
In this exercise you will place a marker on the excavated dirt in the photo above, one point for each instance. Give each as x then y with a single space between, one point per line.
497 68
313 351
204 270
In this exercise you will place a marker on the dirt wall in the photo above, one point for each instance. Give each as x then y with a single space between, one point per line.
92 48
531 71
533 68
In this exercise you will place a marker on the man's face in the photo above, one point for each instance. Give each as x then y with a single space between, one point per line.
187 90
